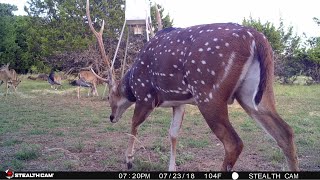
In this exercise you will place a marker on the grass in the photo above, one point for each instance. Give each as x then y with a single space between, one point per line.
28 152
44 129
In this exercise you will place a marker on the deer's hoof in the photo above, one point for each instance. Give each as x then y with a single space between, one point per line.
129 165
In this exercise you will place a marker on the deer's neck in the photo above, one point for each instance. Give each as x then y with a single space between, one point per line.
126 88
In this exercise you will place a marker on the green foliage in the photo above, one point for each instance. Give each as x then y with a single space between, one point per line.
7 9
310 57
166 20
60 26
13 34
55 31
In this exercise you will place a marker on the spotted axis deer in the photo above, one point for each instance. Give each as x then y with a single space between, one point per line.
207 66
87 79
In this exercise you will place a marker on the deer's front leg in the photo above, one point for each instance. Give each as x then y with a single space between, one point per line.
175 126
141 112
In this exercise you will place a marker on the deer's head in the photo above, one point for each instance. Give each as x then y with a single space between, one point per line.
117 96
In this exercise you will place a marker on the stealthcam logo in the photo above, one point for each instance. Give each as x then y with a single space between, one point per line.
9 173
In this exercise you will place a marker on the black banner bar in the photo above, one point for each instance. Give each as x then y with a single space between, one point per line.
159 175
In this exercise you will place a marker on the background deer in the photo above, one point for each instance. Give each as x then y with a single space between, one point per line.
87 79
208 66
9 77
54 80
15 80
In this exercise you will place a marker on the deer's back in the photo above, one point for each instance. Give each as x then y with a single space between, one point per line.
88 76
179 62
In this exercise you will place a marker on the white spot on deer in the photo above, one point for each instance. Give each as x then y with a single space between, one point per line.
219 28
195 82
173 53
190 30
175 66
200 49
215 39
190 53
217 47
202 82
178 40
227 29
183 42
229 65
146 99
203 62
149 95
213 73
171 42
171 75
142 84
198 70
250 34
206 44
220 54
227 44
182 53
235 34
200 31
142 62
209 49
193 61
191 36
210 95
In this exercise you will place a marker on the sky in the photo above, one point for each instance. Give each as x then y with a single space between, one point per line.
296 13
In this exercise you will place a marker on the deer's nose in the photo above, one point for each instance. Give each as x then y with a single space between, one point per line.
111 117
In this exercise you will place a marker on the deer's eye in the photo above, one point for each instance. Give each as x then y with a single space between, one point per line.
108 98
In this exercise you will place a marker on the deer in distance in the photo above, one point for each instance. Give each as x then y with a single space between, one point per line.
9 77
15 80
87 79
54 79
207 66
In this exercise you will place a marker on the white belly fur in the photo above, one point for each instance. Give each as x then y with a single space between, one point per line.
177 103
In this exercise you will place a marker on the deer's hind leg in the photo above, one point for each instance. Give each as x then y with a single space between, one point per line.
216 115
266 115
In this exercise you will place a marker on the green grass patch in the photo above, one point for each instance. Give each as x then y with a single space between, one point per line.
28 152
10 142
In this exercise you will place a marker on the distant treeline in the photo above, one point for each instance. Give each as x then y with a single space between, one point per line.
55 34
